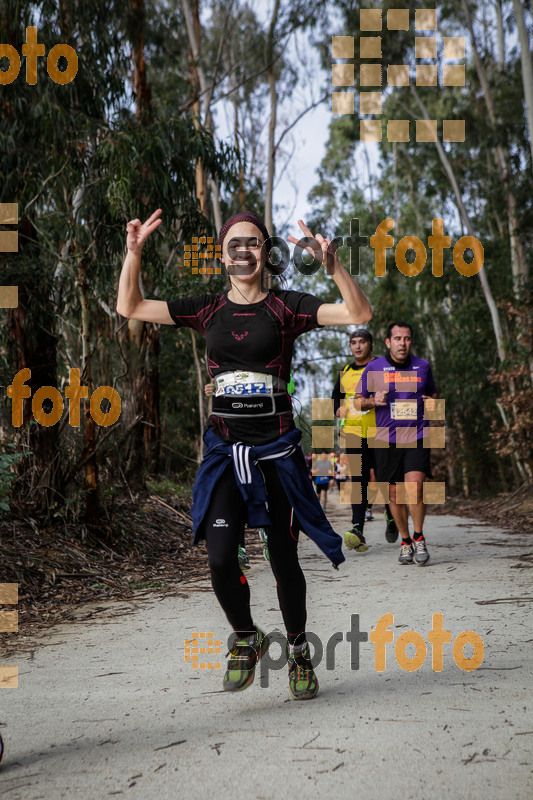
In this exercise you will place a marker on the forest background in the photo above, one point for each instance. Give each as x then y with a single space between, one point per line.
198 108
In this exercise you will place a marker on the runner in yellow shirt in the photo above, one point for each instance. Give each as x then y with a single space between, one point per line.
354 424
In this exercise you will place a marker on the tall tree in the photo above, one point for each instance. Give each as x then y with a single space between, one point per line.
87 161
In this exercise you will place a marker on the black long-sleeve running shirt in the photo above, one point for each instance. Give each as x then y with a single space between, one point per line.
253 336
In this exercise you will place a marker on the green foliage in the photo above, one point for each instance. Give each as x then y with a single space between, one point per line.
166 486
80 165
450 317
8 461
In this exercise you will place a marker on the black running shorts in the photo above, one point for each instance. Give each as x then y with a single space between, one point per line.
392 463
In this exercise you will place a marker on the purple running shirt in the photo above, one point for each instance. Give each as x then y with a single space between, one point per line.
401 420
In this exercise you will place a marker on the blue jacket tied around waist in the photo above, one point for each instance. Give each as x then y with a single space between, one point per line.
292 471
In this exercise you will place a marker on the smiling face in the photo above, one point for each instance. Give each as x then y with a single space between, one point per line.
399 343
241 252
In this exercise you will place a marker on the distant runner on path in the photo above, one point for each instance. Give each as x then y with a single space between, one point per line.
253 467
322 472
396 386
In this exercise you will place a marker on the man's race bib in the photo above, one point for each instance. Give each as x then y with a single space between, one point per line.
403 409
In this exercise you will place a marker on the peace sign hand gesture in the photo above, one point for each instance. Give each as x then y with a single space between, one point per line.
138 232
330 259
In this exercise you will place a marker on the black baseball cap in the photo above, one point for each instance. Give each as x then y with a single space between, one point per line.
362 333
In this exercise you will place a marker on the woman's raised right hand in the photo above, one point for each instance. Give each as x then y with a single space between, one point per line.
138 232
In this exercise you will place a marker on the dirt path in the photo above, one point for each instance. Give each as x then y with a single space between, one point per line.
110 707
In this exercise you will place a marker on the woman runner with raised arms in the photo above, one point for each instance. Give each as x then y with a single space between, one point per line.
253 468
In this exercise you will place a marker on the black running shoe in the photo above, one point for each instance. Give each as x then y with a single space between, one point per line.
391 531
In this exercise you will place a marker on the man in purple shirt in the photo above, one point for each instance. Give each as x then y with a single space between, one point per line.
397 385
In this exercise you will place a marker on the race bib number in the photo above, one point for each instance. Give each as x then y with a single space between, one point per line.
403 409
242 384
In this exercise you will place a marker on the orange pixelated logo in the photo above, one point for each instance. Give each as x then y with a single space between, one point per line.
192 255
201 649
9 243
378 78
9 596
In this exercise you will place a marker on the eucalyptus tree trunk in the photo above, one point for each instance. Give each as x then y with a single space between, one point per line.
143 337
271 156
500 35
482 276
519 264
89 456
71 254
230 61
527 67
199 80
200 394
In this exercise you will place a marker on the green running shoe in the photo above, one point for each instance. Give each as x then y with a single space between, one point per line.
244 656
244 563
303 683
264 538
354 540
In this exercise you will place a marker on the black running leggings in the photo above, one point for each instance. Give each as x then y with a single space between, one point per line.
358 509
221 528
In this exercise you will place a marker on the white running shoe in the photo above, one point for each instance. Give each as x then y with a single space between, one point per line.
421 552
406 554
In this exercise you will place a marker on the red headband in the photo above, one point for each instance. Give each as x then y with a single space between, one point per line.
243 216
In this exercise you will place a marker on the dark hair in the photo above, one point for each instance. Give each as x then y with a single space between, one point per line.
362 333
398 325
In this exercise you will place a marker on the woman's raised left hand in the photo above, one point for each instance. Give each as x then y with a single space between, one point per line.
330 259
